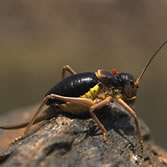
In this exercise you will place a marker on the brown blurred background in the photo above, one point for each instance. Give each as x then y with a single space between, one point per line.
38 37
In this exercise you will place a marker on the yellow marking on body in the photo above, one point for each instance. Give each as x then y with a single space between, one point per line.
92 93
96 73
78 108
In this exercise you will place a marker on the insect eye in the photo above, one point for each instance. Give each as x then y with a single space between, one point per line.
132 83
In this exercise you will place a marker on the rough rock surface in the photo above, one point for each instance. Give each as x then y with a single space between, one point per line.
70 141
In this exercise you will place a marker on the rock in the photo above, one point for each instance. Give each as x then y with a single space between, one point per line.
69 141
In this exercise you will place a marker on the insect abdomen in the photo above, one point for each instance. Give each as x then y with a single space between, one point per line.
73 86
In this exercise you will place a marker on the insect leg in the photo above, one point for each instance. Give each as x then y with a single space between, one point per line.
69 69
81 101
132 112
89 103
77 100
36 114
98 106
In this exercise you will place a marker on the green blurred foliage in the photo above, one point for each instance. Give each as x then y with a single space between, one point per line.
38 37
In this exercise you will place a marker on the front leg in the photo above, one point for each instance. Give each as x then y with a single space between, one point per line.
133 114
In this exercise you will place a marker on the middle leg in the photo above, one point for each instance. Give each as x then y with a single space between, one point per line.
98 106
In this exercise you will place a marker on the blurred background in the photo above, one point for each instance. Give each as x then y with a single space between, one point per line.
38 37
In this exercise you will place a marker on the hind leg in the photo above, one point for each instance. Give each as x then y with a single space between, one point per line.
92 106
68 69
81 101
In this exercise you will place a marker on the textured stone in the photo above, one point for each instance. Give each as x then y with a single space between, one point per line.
70 141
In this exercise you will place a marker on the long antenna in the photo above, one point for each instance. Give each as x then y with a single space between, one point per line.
148 63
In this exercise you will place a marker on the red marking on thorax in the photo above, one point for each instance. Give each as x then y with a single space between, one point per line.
114 71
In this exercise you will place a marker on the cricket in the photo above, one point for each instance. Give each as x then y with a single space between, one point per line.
87 92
